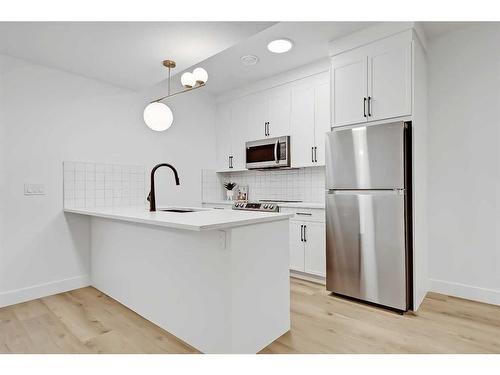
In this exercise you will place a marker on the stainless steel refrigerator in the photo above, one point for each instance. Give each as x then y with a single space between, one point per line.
368 214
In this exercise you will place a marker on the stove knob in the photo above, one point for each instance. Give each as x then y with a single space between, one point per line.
266 206
271 206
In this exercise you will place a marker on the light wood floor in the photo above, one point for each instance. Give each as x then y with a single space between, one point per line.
88 321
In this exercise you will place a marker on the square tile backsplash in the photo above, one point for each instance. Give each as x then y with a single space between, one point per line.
88 185
305 184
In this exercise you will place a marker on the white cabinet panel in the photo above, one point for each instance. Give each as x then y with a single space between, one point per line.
278 111
321 120
257 103
349 88
310 120
315 248
389 81
240 111
223 136
302 126
296 246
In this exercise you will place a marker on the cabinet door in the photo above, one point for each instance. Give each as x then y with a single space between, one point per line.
257 104
389 81
321 120
302 126
315 248
296 246
349 88
278 111
239 130
223 135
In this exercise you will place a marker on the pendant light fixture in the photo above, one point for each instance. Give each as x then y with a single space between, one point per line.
158 116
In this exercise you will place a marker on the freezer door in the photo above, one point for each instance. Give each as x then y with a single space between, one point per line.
365 246
366 157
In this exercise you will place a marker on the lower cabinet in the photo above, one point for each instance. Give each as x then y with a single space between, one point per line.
308 247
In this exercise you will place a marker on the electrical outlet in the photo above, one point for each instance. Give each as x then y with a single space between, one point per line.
34 189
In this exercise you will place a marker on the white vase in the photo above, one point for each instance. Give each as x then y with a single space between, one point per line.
229 195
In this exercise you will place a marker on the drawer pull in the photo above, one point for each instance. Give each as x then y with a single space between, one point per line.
304 213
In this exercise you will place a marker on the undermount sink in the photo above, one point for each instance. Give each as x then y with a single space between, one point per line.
178 210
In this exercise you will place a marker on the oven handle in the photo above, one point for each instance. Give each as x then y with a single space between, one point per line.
276 151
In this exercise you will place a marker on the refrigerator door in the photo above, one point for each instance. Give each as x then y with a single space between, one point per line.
365 246
366 157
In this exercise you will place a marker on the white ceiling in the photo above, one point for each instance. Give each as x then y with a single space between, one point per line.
434 30
126 54
310 44
129 54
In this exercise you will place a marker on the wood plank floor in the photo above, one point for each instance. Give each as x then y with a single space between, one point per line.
88 321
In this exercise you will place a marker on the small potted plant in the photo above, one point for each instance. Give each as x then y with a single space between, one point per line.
229 186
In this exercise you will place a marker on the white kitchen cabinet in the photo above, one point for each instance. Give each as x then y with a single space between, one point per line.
302 126
240 122
308 247
372 82
349 88
315 248
321 120
223 136
389 81
296 246
278 111
310 120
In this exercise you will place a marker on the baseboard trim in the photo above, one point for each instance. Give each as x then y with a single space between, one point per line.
43 290
474 293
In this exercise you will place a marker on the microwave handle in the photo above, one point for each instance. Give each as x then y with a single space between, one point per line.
276 145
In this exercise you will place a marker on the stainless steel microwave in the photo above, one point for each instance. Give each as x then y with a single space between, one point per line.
268 153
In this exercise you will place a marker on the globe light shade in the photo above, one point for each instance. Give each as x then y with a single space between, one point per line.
200 75
188 80
158 116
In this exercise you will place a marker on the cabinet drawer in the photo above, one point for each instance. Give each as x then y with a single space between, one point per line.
305 214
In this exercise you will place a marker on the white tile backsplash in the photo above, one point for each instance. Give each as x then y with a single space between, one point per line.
103 185
305 184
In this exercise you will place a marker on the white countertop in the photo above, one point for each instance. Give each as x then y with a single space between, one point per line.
281 204
203 219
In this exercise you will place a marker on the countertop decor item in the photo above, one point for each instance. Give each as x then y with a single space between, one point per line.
242 195
158 116
229 186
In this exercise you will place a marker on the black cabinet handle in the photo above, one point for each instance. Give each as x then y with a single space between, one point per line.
312 154
268 128
265 129
369 106
315 154
230 162
364 107
305 228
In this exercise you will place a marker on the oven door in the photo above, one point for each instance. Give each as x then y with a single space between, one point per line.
268 153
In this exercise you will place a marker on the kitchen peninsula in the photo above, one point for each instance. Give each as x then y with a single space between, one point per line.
217 279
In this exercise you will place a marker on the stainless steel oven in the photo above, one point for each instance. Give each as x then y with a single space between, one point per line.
268 153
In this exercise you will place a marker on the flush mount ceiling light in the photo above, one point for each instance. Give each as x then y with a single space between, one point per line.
159 116
249 60
280 45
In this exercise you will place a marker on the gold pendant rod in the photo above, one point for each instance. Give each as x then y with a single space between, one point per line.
178 92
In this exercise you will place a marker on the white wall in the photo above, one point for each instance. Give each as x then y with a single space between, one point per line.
464 174
49 116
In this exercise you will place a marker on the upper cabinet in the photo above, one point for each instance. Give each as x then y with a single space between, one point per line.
349 89
223 137
371 83
310 120
300 109
278 102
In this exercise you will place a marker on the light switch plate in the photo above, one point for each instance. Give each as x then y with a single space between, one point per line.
34 189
